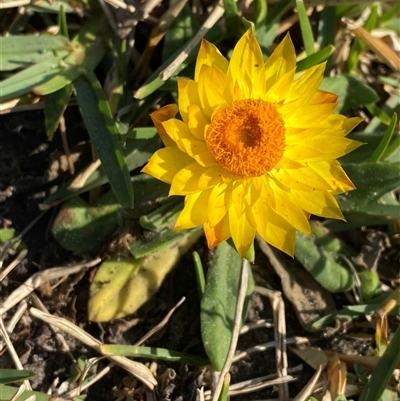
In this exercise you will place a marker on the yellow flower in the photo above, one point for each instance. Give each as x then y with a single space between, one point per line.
255 149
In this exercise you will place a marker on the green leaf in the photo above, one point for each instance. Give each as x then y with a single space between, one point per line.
81 228
305 26
380 150
261 7
22 51
103 132
7 393
122 286
164 215
89 50
317 58
373 180
159 240
231 18
24 81
322 265
55 105
160 354
382 374
371 141
219 304
391 106
14 375
352 92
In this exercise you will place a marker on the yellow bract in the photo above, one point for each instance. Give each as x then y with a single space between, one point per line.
256 149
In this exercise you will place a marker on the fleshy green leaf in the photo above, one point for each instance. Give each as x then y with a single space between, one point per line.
352 92
219 303
373 180
122 286
322 265
81 228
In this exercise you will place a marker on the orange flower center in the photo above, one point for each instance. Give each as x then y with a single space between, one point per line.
247 138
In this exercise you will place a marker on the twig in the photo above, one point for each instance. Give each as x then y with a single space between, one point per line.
160 325
38 279
12 351
208 24
137 369
13 264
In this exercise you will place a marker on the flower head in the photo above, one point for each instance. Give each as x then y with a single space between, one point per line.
255 149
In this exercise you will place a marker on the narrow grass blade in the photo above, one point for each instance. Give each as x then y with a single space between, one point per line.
55 105
24 81
14 375
201 280
103 132
316 58
160 354
305 26
89 49
383 372
326 32
22 51
381 149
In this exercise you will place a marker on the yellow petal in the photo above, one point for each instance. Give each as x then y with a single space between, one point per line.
213 90
303 178
333 172
304 88
320 203
350 123
259 88
166 163
197 123
287 208
218 233
178 130
321 147
307 116
242 232
159 116
321 96
187 180
210 55
280 89
188 94
194 213
274 229
245 63
281 61
218 204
